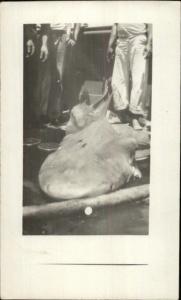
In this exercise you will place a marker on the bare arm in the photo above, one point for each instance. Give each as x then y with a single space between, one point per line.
29 37
149 30
44 48
148 47
72 40
112 40
76 31
112 36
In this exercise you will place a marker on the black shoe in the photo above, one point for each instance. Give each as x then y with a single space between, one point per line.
124 116
135 121
55 123
65 116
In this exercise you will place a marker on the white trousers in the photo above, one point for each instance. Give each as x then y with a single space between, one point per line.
129 79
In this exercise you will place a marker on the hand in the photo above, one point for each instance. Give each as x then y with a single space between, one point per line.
30 48
71 42
44 53
147 51
110 54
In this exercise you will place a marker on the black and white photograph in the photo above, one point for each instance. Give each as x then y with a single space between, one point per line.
90 149
86 128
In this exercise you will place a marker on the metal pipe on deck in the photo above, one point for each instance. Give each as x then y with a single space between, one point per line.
64 208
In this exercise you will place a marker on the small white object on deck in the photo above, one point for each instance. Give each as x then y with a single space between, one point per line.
88 211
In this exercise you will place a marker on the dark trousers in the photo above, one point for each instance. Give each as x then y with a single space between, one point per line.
37 85
57 50
50 86
64 75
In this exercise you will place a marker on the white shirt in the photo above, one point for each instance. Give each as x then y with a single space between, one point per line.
132 29
67 27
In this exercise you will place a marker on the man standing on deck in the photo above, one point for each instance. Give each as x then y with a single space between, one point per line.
37 77
61 40
49 52
133 43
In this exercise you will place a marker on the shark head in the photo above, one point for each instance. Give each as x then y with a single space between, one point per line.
85 112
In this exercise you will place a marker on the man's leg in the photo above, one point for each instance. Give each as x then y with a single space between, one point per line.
120 78
71 78
138 66
30 79
43 86
58 65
